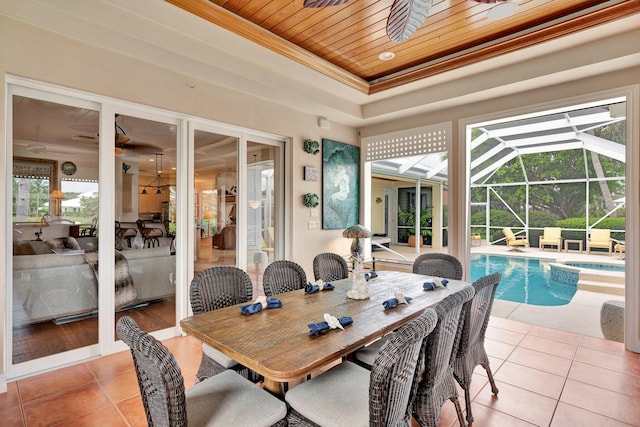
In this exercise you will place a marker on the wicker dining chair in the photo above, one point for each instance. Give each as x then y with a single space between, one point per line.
350 395
438 383
431 264
439 265
471 351
283 276
220 400
328 267
212 289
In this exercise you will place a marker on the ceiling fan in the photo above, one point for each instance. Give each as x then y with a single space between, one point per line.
122 142
405 16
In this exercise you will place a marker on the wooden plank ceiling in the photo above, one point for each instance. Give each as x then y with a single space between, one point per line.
345 41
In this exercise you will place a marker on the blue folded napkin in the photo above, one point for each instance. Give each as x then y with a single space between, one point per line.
429 285
274 303
251 308
311 288
319 327
258 305
392 302
345 320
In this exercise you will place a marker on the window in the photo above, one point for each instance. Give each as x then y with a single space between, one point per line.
33 185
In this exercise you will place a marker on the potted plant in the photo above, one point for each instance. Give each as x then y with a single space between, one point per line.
408 217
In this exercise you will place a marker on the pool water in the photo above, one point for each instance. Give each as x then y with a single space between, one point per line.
524 280
605 267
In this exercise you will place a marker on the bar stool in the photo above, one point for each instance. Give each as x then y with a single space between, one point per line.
149 234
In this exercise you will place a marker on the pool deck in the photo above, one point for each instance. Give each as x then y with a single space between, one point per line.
581 315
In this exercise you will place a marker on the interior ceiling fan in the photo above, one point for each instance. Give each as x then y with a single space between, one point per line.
405 16
123 142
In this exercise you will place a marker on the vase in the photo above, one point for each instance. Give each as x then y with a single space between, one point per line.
413 241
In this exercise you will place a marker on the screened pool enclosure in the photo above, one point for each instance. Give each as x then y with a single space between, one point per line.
562 168
559 169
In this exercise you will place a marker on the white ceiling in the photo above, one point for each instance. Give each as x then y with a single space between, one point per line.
160 33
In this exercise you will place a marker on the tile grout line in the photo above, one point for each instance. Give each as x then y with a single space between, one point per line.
113 403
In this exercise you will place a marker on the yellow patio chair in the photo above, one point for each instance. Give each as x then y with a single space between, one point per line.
599 238
514 243
552 237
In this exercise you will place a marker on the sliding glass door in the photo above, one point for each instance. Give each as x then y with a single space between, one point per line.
215 175
55 200
262 196
107 222
145 198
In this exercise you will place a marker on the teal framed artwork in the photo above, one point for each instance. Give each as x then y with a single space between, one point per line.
340 184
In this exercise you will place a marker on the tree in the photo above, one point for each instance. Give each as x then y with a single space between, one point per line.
38 191
89 205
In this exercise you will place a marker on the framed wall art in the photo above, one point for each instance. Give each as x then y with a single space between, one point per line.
340 184
310 173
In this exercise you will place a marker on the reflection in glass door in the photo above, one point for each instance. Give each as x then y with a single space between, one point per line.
216 189
263 177
145 213
55 202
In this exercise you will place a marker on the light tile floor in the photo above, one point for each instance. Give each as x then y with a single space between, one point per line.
546 377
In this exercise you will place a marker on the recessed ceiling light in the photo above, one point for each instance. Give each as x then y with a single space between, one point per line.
386 56
502 10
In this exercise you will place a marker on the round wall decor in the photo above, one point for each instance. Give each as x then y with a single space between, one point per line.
68 168
311 146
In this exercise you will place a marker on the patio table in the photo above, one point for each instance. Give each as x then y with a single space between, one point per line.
276 343
569 241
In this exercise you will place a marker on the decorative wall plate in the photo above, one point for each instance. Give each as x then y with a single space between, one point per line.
68 168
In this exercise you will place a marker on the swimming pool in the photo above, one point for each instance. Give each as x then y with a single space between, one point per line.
524 280
598 266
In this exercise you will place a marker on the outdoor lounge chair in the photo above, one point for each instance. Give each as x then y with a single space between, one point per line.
514 243
599 238
552 237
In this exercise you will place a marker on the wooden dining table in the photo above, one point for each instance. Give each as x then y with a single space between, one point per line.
276 343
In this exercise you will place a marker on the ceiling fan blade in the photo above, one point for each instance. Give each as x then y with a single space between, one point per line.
406 17
324 3
144 148
122 139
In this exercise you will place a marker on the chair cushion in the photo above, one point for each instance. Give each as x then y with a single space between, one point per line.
228 399
343 388
218 356
369 353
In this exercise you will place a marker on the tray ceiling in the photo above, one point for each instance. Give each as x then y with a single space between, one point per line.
345 41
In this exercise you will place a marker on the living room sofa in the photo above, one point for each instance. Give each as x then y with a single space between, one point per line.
59 285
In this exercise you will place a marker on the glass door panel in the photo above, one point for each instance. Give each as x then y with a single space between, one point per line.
216 189
262 213
145 212
55 199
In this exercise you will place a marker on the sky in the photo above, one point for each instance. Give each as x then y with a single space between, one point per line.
79 187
